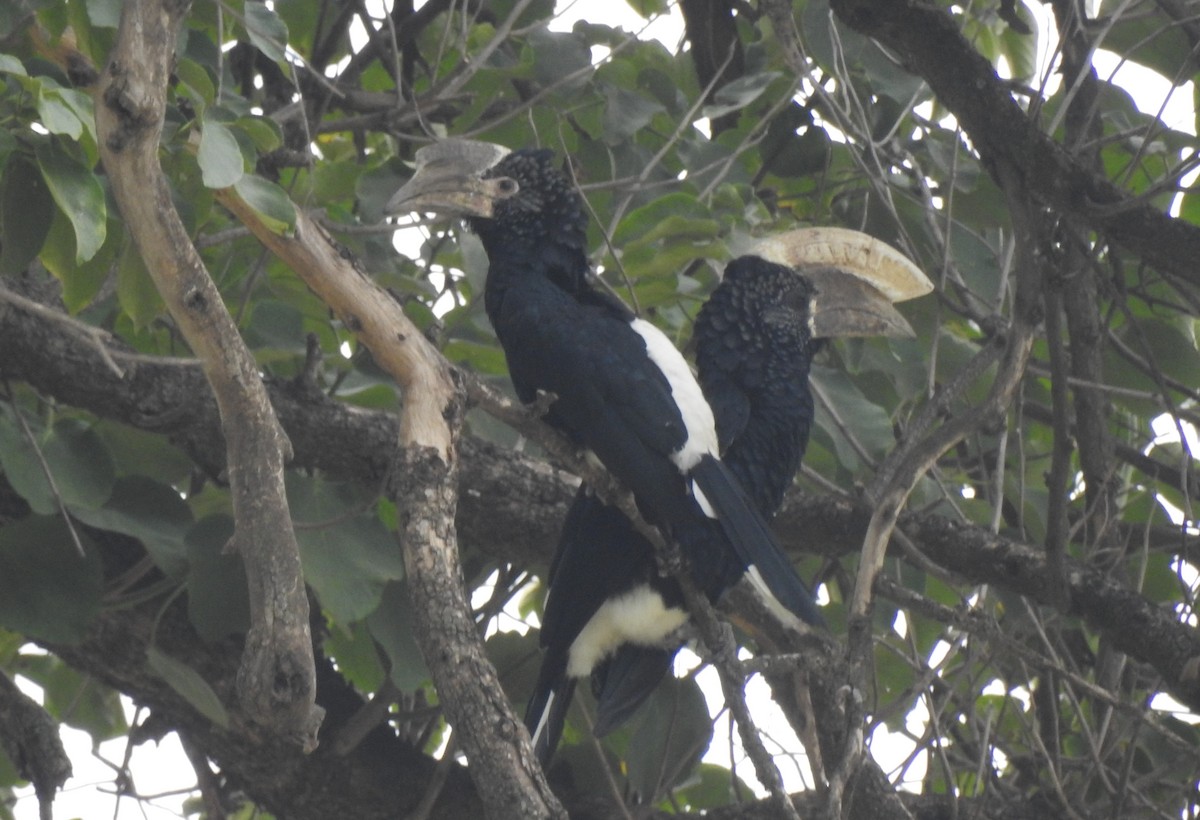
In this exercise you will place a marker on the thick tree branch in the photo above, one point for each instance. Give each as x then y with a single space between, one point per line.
511 506
29 736
926 40
424 486
277 685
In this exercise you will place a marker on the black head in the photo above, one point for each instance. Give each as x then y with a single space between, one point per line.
526 211
532 201
758 314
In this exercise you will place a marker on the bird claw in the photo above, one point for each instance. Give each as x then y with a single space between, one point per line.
540 406
670 560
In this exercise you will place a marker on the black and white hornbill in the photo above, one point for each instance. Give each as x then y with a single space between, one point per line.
619 386
609 613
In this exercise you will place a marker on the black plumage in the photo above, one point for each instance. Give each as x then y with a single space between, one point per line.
753 348
621 389
754 341
620 386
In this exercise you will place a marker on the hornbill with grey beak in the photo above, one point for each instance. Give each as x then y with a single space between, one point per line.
619 386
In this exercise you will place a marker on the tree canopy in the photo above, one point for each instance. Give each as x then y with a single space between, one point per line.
250 452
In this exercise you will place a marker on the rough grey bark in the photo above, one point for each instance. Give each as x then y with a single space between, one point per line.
29 736
511 506
276 682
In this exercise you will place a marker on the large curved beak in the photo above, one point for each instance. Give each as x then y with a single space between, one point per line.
449 179
844 304
857 279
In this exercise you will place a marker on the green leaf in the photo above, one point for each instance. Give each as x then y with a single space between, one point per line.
516 658
391 625
1019 49
357 658
267 31
649 8
75 455
558 55
276 325
865 420
893 677
79 196
487 359
641 222
674 733
627 113
677 229
8 779
218 598
740 93
1189 208
188 683
75 698
270 202
26 213
263 132
1156 340
80 283
57 116
220 157
151 512
347 556
137 452
717 786
195 80
136 291
80 104
104 13
375 397
644 262
48 591
1142 38
12 65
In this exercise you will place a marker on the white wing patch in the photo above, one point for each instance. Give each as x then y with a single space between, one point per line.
639 617
544 717
702 500
685 390
768 597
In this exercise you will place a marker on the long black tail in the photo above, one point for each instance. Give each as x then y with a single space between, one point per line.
547 712
752 541
623 682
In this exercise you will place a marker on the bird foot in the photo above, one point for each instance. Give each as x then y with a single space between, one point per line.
540 406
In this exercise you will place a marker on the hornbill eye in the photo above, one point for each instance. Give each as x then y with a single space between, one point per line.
507 186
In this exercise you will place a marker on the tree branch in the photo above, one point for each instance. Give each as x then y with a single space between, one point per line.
511 506
927 42
276 683
423 483
29 736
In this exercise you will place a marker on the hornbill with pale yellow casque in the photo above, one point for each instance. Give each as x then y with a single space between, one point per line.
620 388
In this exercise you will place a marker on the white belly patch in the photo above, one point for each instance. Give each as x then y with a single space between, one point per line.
638 617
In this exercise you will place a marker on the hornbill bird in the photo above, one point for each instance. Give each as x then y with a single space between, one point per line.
609 612
618 385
